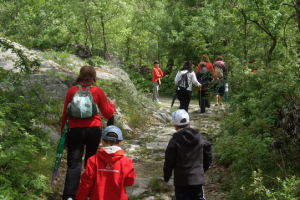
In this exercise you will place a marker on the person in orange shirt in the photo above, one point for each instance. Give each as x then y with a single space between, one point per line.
157 73
210 67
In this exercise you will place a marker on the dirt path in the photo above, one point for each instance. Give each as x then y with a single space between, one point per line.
146 147
149 156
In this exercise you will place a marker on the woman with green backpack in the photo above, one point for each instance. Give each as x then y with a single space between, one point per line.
84 127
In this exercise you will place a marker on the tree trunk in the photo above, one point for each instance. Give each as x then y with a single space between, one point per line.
297 8
271 49
127 48
87 26
245 40
104 39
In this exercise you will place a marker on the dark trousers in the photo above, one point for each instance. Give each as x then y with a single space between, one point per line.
203 96
77 138
192 192
111 121
184 97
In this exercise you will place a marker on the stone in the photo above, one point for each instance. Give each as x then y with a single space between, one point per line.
132 148
54 135
157 145
135 192
165 197
139 183
149 198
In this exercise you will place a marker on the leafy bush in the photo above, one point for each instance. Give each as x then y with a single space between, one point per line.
127 102
140 81
25 151
287 188
249 129
96 61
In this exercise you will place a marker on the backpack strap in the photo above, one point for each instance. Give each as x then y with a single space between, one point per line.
79 88
88 88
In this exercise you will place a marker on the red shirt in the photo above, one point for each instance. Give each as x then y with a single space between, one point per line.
157 73
105 176
105 108
210 67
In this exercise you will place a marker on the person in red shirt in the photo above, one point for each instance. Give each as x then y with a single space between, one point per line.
209 66
157 73
83 132
108 171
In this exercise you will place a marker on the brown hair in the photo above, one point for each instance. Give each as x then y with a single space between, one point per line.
205 58
87 76
202 64
111 142
219 58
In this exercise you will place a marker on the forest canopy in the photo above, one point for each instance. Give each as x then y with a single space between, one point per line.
260 35
266 31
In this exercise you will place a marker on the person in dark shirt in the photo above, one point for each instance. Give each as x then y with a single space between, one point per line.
190 156
205 77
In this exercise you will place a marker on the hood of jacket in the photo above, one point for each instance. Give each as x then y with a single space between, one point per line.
187 136
183 72
110 157
220 62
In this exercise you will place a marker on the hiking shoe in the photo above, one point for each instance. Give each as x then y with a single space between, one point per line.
159 102
216 104
221 103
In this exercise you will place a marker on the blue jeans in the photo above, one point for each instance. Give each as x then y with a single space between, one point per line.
192 192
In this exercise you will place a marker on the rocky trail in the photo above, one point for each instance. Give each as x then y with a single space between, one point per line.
146 147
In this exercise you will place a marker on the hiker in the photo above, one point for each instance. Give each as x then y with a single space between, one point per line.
157 74
190 156
83 132
108 171
184 95
205 77
222 73
209 66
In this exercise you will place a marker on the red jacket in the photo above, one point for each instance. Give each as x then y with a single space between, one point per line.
106 109
157 73
105 176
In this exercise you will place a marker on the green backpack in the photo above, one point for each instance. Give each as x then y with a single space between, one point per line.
82 104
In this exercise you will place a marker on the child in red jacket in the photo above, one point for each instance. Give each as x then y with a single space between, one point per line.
108 171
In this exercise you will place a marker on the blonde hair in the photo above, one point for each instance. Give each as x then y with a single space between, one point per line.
205 58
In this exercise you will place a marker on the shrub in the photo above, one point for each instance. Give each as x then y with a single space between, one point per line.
249 129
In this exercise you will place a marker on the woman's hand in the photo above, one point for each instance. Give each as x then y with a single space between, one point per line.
113 101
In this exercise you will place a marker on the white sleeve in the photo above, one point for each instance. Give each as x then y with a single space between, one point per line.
177 78
194 80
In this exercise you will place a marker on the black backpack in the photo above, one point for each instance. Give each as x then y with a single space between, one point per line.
183 83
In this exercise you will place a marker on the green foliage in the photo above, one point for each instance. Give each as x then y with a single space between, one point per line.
288 189
26 152
96 61
127 102
62 58
141 82
245 143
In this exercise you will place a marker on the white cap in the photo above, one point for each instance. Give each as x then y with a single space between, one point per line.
178 116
